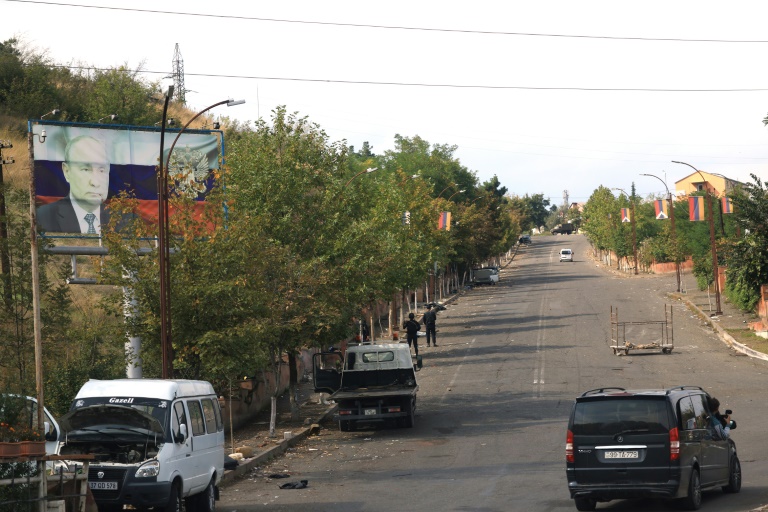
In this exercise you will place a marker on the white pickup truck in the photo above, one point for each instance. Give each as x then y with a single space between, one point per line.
371 382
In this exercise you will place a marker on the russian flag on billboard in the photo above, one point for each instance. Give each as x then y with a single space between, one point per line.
662 209
626 215
696 207
727 205
445 221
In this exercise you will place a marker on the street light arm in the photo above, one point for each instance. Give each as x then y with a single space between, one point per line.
661 180
229 103
446 188
370 169
695 169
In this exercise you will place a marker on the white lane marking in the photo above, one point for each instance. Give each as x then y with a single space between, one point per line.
456 373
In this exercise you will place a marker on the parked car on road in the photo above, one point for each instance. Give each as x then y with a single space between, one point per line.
658 443
524 240
484 276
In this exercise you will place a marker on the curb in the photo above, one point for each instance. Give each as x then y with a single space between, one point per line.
246 465
721 332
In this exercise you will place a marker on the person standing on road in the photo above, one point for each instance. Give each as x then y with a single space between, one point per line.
430 317
411 327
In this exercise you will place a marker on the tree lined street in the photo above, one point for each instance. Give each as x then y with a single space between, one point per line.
495 397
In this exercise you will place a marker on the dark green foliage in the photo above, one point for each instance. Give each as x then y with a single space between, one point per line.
20 497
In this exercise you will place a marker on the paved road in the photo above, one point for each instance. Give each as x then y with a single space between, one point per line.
496 394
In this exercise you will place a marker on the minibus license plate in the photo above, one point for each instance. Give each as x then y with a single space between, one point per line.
622 455
103 486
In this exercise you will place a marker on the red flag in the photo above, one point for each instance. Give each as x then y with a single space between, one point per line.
696 208
727 205
445 221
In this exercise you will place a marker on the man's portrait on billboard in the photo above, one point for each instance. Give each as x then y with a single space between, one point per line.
86 170
79 168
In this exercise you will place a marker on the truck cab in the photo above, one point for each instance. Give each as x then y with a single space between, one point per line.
371 382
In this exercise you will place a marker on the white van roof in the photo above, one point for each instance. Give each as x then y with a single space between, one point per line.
148 388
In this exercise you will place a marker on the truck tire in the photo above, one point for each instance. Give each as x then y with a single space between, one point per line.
344 425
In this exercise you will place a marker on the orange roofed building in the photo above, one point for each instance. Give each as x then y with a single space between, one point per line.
719 185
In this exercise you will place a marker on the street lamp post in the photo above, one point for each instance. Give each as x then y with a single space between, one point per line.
457 192
634 232
711 219
672 227
164 231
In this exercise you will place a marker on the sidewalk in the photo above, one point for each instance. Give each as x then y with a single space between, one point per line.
732 327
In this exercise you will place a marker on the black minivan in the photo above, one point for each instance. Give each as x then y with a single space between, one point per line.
624 444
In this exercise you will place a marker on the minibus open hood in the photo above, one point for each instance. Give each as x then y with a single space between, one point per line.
96 416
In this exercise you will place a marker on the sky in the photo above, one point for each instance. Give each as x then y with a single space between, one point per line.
552 97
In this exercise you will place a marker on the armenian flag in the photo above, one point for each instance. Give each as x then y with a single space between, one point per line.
445 221
662 209
696 208
727 205
626 215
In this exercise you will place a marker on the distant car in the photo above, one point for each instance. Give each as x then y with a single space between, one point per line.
566 255
647 443
485 276
525 240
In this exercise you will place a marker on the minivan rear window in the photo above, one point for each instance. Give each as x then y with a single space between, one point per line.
613 416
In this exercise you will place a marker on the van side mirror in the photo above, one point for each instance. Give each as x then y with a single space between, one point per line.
182 433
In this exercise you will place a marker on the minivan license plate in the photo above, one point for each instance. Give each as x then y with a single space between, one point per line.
103 486
622 455
370 412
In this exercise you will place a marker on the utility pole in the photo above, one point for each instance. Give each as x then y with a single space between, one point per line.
5 261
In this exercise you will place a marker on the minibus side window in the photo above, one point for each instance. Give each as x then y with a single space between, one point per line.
210 415
196 420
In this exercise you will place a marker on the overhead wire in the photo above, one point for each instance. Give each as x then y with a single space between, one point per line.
395 27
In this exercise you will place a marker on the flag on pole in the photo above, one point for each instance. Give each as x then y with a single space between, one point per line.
727 205
445 221
696 207
662 209
626 215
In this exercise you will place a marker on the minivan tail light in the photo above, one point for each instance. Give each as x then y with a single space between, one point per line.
569 447
674 444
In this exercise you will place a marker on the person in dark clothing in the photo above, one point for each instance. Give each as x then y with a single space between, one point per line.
411 327
430 317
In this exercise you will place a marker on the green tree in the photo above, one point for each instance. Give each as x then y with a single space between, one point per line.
747 256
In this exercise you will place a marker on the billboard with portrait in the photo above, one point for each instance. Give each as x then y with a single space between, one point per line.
78 168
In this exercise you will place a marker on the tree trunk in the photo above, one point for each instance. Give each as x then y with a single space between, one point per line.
293 388
273 416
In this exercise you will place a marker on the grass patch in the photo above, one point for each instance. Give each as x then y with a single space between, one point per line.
749 338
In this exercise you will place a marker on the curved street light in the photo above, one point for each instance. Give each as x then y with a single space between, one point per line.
365 171
412 177
163 231
634 232
457 192
446 188
711 218
672 226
